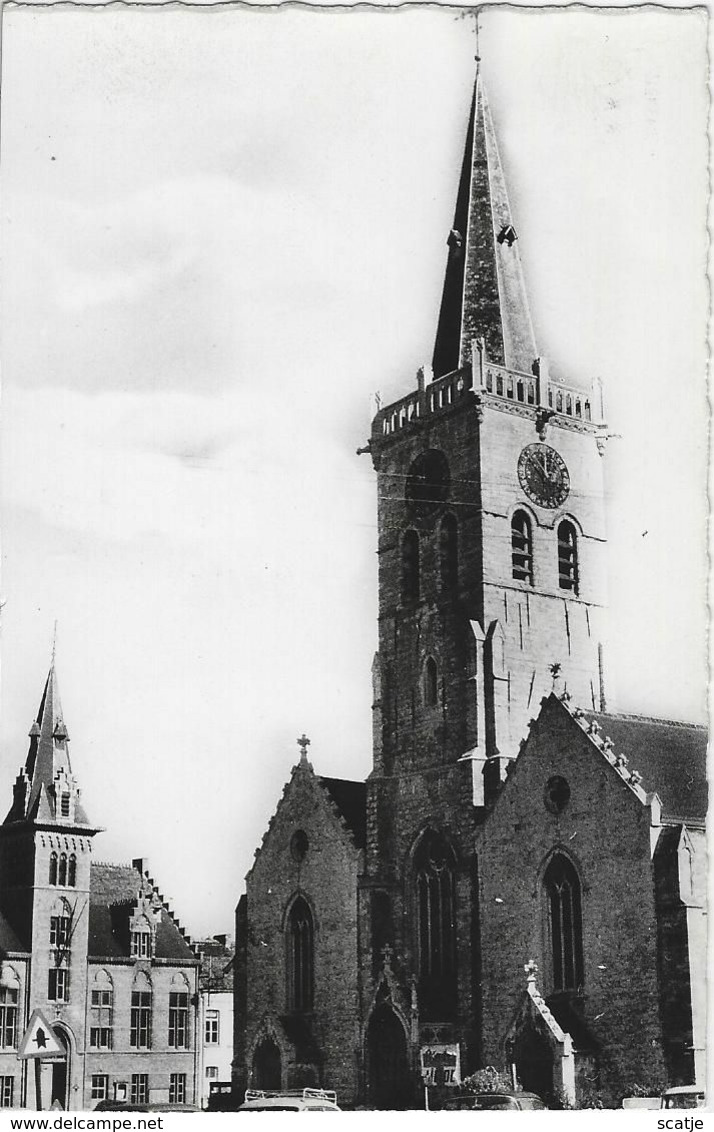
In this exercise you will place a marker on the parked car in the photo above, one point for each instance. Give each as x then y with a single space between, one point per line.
683 1096
303 1100
497 1101
129 1106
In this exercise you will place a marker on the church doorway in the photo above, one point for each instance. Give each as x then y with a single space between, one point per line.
267 1073
60 1074
389 1084
533 1058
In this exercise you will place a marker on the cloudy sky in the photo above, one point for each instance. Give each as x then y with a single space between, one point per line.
224 231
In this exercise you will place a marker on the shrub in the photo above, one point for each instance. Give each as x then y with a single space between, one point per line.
488 1080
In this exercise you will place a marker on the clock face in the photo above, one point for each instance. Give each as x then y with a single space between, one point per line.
543 475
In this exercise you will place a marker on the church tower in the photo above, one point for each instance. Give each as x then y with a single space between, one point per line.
491 515
491 541
45 851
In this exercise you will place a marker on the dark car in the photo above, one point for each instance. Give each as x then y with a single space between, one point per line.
497 1102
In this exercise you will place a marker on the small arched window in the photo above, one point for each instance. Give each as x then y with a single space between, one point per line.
72 871
62 873
448 554
565 924
434 869
567 557
431 685
300 956
410 567
53 868
522 548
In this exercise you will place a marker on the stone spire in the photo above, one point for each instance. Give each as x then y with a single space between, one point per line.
484 295
45 789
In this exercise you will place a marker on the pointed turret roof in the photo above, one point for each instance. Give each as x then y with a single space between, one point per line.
48 771
484 295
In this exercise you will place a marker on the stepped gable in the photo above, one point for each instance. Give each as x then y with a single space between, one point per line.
113 897
350 798
670 756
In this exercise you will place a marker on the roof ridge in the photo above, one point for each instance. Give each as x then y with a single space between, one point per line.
652 719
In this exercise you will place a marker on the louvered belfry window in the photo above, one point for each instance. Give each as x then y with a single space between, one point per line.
522 548
567 557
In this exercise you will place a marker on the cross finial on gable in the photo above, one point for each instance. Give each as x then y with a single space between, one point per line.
303 743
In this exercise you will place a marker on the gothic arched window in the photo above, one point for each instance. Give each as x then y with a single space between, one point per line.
300 956
72 871
565 924
448 554
53 868
410 566
141 1008
522 548
101 1025
567 557
431 682
62 875
434 868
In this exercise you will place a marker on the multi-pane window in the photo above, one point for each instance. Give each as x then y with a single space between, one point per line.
140 1021
7 1091
60 938
60 928
567 557
100 1086
565 926
178 1019
58 984
140 1088
141 944
522 548
8 1017
102 1015
300 956
177 1088
211 1072
213 1019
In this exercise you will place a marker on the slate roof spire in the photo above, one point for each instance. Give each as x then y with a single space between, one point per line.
45 789
484 294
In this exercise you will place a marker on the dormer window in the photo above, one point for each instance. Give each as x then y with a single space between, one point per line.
141 944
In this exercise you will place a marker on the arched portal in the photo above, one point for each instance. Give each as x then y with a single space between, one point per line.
267 1072
61 1072
532 1054
389 1083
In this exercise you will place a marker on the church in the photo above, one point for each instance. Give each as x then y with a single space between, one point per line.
521 880
93 947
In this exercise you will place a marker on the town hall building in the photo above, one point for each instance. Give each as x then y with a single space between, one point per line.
94 947
521 880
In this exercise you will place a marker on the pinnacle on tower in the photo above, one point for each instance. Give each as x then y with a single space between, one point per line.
484 295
